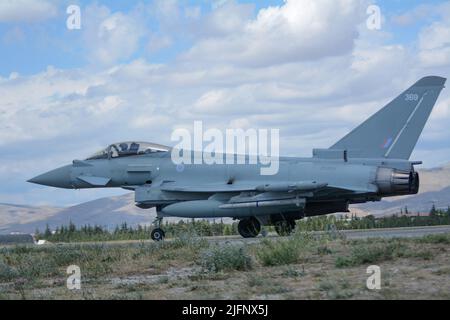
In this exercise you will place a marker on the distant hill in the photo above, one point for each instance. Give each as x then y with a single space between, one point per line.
421 203
26 215
106 212
109 212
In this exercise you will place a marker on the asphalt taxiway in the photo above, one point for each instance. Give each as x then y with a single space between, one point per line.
412 232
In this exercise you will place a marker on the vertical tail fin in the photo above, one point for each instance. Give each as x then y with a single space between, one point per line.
394 130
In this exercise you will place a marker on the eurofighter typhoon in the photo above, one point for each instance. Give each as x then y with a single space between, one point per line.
369 163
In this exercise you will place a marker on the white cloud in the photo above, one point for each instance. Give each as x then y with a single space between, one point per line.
442 110
108 104
159 42
434 41
296 31
227 17
436 36
193 12
111 37
151 121
435 57
240 123
211 101
27 11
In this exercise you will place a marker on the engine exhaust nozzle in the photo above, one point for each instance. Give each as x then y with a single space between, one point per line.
393 182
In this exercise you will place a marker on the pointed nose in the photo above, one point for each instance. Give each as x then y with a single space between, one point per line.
58 178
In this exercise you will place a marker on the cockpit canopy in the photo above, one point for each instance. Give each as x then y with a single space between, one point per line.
127 149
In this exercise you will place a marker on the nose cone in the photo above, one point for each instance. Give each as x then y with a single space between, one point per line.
58 178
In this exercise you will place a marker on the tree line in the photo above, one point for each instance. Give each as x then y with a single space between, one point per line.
204 228
124 232
404 219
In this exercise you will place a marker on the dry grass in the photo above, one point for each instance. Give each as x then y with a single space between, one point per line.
301 267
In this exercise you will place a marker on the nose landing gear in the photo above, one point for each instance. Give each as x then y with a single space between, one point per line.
158 234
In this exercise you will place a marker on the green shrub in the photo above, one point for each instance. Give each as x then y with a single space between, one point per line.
254 280
339 289
435 239
290 272
367 253
190 240
290 251
225 258
372 254
343 262
324 250
6 272
275 253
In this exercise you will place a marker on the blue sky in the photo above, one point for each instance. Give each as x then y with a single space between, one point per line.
45 43
50 43
310 68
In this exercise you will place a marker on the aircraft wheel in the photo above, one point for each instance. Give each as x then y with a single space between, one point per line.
158 234
249 228
284 227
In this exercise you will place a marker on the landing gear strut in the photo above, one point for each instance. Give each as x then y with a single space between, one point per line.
249 228
284 227
158 234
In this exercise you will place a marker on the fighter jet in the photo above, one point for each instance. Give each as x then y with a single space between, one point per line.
369 163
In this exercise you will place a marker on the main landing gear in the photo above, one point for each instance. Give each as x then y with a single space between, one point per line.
284 227
249 228
158 234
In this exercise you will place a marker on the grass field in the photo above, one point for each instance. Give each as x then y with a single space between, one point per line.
300 267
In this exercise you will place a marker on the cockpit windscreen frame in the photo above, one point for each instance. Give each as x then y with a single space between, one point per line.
128 149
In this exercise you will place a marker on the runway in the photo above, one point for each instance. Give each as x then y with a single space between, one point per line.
415 232
412 232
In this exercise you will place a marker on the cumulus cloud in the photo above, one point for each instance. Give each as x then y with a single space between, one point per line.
111 37
433 38
227 17
434 43
27 11
296 31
